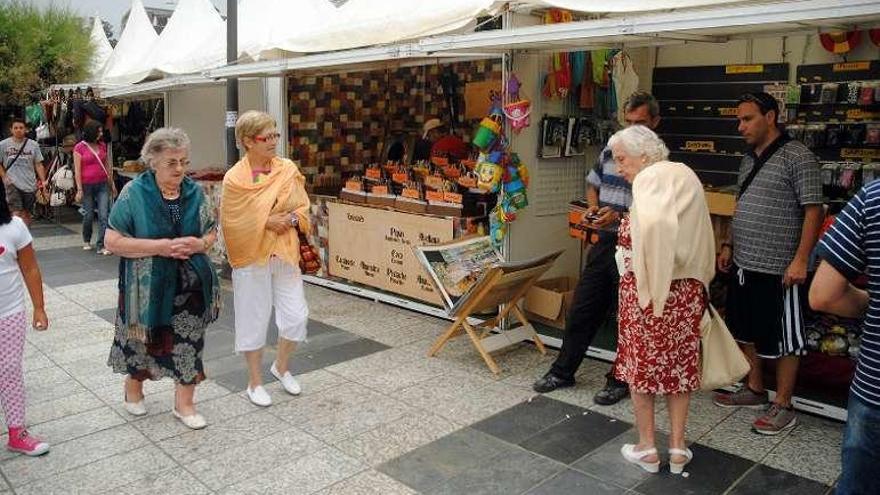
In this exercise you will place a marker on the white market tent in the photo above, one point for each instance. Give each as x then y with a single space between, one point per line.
135 44
193 40
102 47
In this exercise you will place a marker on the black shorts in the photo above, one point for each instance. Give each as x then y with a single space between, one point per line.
763 312
20 200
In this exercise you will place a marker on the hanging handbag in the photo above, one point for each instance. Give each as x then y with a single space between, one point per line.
63 178
309 260
721 360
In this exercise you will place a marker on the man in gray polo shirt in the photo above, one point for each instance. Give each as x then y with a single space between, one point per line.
776 224
22 162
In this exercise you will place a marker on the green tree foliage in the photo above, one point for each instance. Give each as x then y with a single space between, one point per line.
39 47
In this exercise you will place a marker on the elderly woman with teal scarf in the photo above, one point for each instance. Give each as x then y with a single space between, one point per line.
168 290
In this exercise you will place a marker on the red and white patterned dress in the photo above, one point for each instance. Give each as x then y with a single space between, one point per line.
658 355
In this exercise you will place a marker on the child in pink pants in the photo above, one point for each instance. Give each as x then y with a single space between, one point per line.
17 263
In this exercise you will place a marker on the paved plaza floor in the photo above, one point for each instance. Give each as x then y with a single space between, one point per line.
376 416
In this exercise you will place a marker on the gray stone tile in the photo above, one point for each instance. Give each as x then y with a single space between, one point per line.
78 425
763 479
572 438
175 481
106 474
368 483
303 475
312 382
160 398
79 277
97 351
251 459
102 293
607 464
108 315
703 416
710 472
513 472
431 465
73 454
194 445
734 435
387 379
526 419
163 426
355 419
570 481
812 450
49 384
36 361
40 231
395 438
325 403
219 344
63 407
466 407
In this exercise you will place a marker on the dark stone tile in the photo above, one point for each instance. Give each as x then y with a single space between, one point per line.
511 472
231 370
107 314
428 467
61 254
219 344
49 230
607 464
762 480
572 482
526 419
323 340
81 277
711 472
573 438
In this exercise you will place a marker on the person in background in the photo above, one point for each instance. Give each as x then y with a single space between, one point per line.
437 141
17 262
263 205
846 254
666 259
775 227
161 227
94 183
22 163
608 195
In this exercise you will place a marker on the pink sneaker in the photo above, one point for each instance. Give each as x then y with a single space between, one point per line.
21 441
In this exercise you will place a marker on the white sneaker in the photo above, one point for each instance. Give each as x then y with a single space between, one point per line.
259 396
287 381
193 421
87 247
104 252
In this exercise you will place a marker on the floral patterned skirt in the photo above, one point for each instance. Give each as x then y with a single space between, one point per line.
660 355
175 351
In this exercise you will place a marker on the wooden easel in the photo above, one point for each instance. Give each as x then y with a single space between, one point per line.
498 288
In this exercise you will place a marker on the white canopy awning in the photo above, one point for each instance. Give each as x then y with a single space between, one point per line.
310 26
102 49
193 40
606 6
126 65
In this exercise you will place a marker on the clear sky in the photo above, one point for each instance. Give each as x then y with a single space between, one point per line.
112 10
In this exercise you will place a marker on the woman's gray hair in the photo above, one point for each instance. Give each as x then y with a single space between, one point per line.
162 140
639 141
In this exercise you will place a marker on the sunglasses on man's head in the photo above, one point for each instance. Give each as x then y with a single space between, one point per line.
268 137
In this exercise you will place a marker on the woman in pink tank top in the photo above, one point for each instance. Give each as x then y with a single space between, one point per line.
94 183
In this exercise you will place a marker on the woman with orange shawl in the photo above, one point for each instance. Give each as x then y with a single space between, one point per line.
264 202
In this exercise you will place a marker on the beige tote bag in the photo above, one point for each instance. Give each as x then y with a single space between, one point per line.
721 360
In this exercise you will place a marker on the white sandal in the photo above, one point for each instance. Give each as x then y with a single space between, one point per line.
634 456
678 468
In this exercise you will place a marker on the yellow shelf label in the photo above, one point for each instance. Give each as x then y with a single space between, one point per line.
744 69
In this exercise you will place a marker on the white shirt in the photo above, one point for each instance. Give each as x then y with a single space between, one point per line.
13 237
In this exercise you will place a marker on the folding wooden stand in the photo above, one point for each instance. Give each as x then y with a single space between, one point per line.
504 288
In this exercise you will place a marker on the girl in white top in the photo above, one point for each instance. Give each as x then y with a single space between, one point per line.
17 263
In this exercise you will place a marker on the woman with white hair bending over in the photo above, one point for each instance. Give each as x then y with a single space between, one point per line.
666 256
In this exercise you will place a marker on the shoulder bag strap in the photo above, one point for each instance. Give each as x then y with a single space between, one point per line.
15 160
101 162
